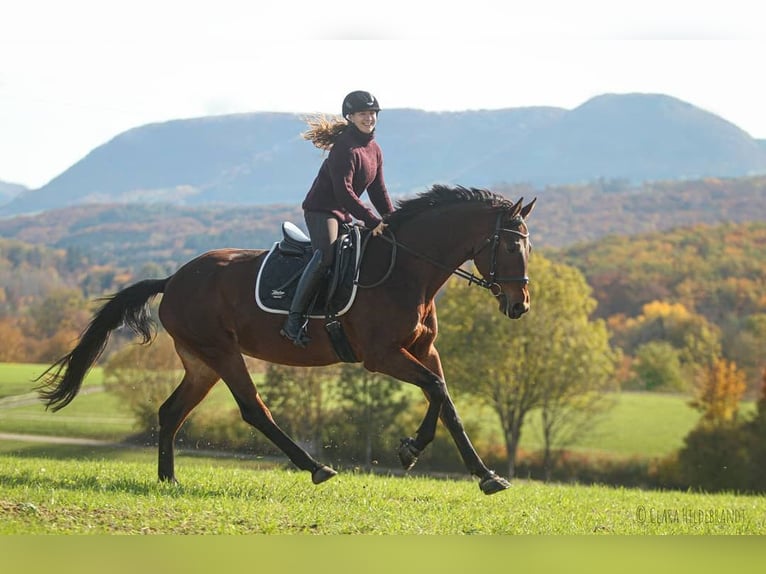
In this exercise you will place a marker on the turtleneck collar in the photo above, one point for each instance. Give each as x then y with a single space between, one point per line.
360 136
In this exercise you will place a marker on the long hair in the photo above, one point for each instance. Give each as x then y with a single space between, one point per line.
324 130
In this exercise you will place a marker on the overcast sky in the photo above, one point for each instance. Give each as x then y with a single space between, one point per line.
76 73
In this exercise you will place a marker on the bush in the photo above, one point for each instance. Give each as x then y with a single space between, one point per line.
715 458
590 468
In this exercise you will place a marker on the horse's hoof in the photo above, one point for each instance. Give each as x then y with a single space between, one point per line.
408 453
321 474
493 483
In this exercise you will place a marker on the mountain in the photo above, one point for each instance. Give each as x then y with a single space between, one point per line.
10 190
261 158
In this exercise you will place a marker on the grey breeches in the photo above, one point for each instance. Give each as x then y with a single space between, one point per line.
323 231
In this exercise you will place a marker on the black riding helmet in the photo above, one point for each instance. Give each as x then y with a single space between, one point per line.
359 101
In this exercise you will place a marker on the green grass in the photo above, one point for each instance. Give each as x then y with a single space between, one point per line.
46 495
94 414
647 424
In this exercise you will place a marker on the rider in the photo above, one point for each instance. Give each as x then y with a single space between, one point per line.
354 164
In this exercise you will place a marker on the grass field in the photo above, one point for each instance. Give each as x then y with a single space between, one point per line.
47 495
81 488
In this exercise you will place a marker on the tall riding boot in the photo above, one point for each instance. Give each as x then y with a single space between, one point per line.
307 286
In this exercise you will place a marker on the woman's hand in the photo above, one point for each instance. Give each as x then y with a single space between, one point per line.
379 229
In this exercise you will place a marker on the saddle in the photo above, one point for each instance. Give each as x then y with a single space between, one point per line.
278 276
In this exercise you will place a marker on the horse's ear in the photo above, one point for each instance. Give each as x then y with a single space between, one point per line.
527 209
516 207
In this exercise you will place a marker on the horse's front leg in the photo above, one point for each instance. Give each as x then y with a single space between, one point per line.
426 373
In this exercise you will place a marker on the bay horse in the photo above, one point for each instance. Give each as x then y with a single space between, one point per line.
208 308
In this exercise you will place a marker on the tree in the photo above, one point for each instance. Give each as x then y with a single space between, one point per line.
143 377
371 401
580 390
658 367
63 309
697 341
719 392
550 358
297 398
744 344
14 344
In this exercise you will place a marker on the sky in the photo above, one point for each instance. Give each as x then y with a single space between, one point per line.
76 73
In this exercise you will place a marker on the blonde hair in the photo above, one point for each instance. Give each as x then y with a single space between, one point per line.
324 130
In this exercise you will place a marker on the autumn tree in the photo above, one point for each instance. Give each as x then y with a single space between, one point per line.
63 309
744 344
670 344
721 452
549 359
719 392
697 340
14 344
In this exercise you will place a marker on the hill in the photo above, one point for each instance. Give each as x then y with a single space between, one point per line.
9 190
260 158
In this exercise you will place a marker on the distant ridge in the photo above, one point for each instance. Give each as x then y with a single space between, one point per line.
261 159
10 190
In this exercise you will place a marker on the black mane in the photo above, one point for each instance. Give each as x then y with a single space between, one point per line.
440 195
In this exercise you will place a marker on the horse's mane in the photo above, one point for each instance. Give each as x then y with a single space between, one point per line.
443 195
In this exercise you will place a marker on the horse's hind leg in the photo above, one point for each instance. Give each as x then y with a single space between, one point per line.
234 373
196 384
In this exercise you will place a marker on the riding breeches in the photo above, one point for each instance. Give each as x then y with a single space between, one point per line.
323 230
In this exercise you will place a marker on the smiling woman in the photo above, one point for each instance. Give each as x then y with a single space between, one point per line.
353 166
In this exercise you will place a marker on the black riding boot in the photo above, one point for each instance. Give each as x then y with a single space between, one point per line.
307 286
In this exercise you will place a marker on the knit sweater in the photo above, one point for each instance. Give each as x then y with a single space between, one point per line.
353 166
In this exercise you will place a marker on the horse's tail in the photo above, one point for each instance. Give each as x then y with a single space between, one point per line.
61 382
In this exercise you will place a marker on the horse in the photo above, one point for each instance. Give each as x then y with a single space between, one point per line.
208 309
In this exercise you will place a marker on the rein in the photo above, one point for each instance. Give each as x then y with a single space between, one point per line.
490 285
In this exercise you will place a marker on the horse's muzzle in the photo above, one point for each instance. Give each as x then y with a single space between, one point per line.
512 310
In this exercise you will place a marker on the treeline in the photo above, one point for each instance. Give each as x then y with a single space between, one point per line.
686 288
132 235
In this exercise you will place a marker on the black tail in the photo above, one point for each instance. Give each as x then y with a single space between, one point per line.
62 380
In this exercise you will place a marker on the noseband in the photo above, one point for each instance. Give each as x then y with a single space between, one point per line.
492 284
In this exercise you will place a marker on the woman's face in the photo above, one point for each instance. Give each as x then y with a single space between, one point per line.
364 121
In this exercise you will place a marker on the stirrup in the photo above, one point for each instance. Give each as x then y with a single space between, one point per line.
299 339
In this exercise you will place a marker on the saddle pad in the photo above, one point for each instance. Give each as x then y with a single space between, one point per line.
278 278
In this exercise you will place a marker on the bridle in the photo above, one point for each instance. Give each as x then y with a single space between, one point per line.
492 284
494 280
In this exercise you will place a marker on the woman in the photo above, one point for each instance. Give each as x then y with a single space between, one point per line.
354 164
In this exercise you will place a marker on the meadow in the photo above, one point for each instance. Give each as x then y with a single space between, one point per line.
47 495
71 488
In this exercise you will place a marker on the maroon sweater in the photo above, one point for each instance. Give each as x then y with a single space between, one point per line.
354 164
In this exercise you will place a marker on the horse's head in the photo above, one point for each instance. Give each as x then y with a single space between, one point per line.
503 260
